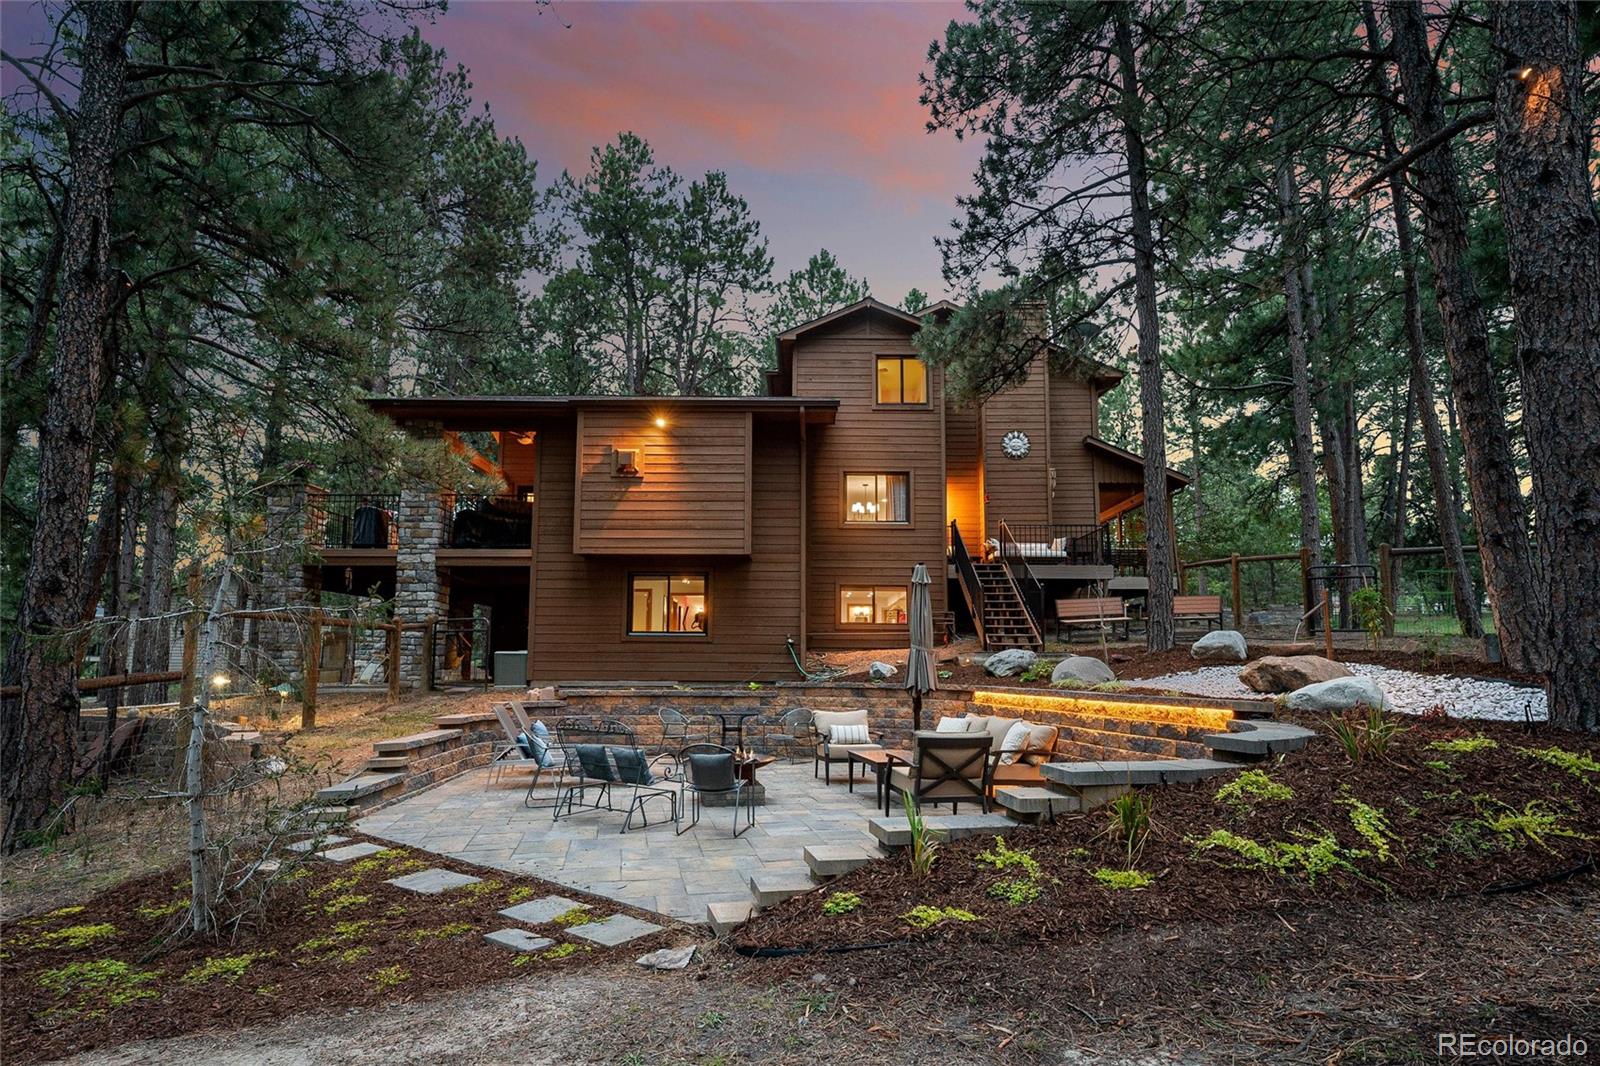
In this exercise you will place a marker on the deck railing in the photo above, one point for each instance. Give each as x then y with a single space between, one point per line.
971 587
478 521
1073 544
360 520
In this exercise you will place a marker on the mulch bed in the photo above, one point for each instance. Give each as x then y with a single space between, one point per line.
407 945
1439 841
1131 664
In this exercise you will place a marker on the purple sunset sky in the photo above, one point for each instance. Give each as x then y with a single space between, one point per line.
811 109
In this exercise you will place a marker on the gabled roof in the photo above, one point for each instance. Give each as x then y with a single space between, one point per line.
780 381
505 412
1123 455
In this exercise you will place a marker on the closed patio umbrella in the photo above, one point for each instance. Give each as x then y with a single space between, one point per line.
919 666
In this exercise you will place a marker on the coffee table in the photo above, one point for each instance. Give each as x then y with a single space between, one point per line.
881 760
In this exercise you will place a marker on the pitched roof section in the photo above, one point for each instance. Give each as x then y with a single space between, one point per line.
503 412
1123 455
781 380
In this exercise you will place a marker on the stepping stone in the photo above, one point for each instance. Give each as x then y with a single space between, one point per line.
1259 739
432 882
617 929
518 940
834 860
771 886
725 917
349 852
539 911
317 842
1035 800
1135 772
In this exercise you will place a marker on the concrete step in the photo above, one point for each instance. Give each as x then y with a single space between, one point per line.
360 787
769 887
829 861
381 763
466 720
433 738
725 917
893 832
1129 772
1036 801
1258 739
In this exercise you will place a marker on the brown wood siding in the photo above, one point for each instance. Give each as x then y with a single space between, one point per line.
865 438
1071 420
1018 489
580 611
693 492
517 461
964 472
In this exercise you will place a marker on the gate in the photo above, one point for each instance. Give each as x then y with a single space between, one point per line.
1341 581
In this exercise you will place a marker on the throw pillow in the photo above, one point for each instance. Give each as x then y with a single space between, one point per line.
540 744
951 725
848 734
1015 743
632 766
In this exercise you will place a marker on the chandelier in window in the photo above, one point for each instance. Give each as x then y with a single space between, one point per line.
863 508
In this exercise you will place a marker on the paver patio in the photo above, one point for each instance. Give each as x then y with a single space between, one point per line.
649 867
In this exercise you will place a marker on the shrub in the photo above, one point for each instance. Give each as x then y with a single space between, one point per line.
1003 857
924 849
1366 734
1464 745
1132 880
839 903
1319 854
1016 891
1370 613
1253 785
227 967
922 916
1130 821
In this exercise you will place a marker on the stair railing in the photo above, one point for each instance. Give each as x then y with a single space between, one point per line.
1027 586
967 575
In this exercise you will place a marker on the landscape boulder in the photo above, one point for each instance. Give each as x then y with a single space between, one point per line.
1009 662
1082 670
1285 673
1221 646
1340 694
880 671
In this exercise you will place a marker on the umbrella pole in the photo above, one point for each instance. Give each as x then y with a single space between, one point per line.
916 711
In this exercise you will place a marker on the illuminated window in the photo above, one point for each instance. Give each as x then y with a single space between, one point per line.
667 603
902 379
877 498
883 605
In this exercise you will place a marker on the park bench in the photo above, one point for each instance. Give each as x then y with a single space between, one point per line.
1091 611
1207 609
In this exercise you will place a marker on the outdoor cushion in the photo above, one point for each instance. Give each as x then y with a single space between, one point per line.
900 778
953 725
632 767
841 752
848 734
536 748
593 762
711 771
824 721
1015 742
1041 737
998 727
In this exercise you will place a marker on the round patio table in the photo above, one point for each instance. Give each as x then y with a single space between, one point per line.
733 722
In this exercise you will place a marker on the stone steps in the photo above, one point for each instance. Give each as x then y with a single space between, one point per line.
1036 802
1113 773
827 862
362 791
725 917
770 886
894 833
430 740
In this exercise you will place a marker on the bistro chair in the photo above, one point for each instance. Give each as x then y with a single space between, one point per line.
790 734
677 731
710 770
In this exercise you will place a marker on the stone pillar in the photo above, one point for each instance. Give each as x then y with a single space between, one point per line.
420 591
294 522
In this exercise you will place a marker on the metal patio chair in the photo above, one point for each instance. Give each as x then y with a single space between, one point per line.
603 761
710 770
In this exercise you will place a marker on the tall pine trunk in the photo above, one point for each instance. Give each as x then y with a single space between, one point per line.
1542 161
1303 451
1157 519
39 732
1497 505
1445 508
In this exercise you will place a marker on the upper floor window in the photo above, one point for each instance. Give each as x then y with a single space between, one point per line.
877 498
902 379
667 603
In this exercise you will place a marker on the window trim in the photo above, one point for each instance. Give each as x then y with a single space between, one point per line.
629 633
844 500
839 589
927 379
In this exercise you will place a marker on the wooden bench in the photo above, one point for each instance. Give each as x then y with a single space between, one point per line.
1207 609
1092 612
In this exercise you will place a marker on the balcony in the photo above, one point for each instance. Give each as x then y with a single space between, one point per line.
494 523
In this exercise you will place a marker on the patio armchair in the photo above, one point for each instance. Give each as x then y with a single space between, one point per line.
945 768
710 769
830 750
605 761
